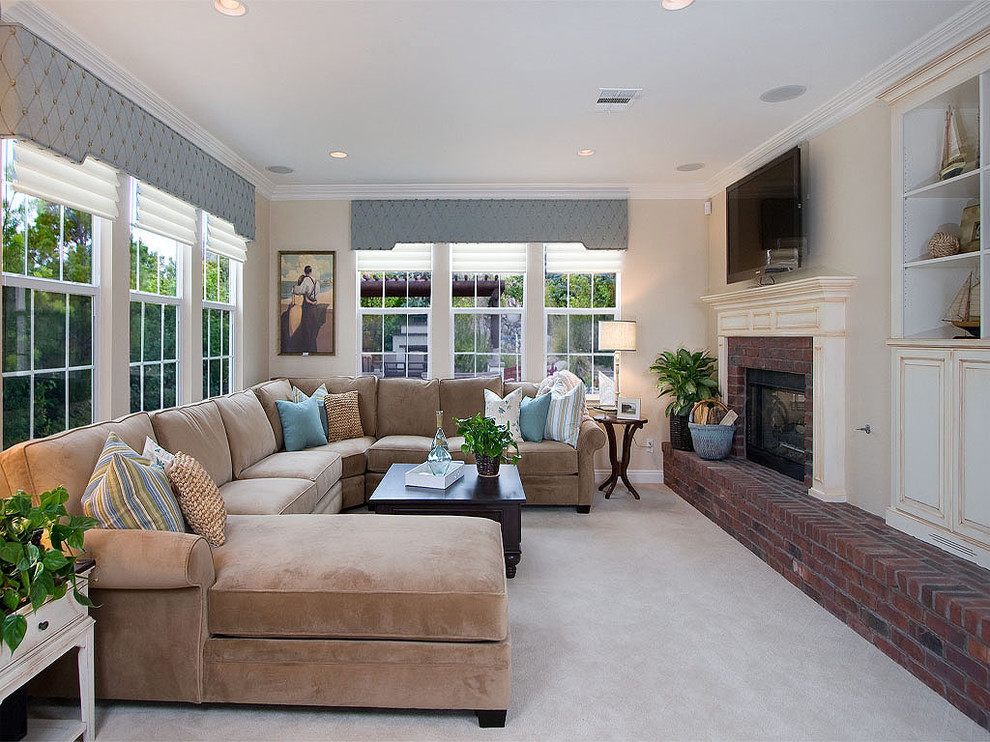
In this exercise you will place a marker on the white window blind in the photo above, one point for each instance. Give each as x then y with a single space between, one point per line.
488 258
221 239
158 212
89 187
576 258
401 258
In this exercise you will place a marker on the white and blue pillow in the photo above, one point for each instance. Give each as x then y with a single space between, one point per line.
298 395
505 411
566 413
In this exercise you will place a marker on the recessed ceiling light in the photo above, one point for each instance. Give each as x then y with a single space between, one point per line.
585 152
785 92
688 167
675 4
280 169
230 7
338 155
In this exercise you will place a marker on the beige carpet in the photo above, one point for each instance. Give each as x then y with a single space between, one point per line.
640 621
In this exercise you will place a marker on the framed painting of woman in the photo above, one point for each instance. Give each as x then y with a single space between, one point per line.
306 303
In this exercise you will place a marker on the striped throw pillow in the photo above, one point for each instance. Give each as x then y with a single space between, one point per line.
126 491
566 411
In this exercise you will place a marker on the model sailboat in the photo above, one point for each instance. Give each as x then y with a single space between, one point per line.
964 312
953 160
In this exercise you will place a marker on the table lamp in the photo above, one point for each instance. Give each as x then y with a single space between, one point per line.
617 336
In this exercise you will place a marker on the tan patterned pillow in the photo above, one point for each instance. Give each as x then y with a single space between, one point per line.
343 416
199 498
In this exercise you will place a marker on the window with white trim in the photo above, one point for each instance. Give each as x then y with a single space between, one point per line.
52 211
581 289
162 232
223 256
395 291
488 289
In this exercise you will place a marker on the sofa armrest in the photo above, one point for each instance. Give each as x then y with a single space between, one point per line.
149 560
590 438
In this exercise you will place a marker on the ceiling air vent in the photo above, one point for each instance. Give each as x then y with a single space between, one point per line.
616 99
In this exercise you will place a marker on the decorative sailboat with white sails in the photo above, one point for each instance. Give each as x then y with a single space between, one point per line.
953 159
964 312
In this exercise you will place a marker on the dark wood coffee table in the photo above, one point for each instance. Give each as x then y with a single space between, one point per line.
498 498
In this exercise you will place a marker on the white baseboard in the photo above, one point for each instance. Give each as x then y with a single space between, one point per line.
636 476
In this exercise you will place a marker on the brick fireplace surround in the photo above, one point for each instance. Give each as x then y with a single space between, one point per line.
926 609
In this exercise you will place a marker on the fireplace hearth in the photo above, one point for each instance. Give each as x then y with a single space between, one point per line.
776 421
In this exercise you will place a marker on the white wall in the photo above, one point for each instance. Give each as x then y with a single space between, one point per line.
847 215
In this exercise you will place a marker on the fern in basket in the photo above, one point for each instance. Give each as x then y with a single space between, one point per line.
39 545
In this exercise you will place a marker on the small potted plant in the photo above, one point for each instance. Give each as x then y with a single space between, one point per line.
487 441
39 545
687 378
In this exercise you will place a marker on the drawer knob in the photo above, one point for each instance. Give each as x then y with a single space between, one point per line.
43 625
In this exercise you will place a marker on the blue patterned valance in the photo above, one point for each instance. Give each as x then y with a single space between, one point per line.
49 99
599 223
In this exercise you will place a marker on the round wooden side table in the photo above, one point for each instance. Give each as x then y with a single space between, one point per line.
619 466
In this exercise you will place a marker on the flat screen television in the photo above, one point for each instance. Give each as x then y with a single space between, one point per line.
763 212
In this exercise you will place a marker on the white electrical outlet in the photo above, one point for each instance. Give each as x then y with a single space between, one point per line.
649 445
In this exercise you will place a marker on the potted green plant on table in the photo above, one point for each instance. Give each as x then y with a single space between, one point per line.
39 546
487 440
687 378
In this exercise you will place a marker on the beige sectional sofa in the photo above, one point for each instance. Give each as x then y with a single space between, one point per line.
298 607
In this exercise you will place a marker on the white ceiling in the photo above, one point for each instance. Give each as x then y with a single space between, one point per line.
427 95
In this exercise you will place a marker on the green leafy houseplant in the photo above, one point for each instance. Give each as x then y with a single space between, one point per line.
686 377
486 440
38 552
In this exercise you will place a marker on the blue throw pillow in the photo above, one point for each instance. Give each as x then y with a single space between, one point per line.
298 395
301 426
533 417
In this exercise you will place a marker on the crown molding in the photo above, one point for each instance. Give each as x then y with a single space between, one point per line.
40 21
346 192
969 23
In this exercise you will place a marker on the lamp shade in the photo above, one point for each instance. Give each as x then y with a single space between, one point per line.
617 335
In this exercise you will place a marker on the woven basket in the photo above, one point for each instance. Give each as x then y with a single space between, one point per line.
711 442
680 434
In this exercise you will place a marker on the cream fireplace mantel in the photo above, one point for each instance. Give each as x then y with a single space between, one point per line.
813 307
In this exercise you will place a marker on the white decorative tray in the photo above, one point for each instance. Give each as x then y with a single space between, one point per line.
421 476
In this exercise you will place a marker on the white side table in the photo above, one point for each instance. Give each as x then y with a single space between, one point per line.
54 630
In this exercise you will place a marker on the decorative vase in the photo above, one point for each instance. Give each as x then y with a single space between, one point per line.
487 465
439 457
680 433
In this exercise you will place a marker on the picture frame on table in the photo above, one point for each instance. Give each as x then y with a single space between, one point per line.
306 296
628 408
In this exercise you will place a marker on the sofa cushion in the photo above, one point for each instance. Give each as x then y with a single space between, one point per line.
68 459
547 457
298 395
321 467
353 454
198 430
126 491
198 497
409 407
365 386
398 449
249 434
460 398
533 413
268 392
273 496
301 425
566 411
505 411
441 578
343 414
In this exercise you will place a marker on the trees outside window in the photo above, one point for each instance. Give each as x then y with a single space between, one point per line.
218 323
574 304
49 314
154 315
487 313
394 315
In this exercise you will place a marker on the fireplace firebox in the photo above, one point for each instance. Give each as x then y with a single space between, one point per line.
776 421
